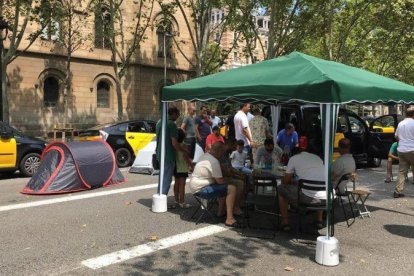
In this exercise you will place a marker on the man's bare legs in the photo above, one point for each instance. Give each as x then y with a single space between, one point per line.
230 200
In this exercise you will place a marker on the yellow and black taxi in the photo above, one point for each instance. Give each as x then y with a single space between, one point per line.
125 138
19 151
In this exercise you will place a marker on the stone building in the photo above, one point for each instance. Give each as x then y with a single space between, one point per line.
238 56
35 79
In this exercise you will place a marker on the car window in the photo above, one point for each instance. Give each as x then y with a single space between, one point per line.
385 121
151 127
357 126
342 125
122 127
137 127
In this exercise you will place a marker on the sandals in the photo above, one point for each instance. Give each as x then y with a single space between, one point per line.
184 205
235 224
387 180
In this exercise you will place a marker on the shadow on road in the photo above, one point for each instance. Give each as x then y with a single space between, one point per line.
405 231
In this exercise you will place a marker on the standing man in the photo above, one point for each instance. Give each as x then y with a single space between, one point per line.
230 131
202 127
215 120
259 126
242 129
288 137
405 137
188 126
171 146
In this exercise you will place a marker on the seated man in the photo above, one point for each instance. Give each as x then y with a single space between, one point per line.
268 155
287 138
213 138
207 181
343 165
302 165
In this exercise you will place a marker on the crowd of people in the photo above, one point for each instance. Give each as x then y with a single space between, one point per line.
225 169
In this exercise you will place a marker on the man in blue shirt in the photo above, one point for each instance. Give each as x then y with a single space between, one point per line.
288 137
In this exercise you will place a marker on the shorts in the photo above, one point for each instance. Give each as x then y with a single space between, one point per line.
235 182
290 192
179 174
213 191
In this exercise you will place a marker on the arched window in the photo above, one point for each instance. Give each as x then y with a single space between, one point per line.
102 93
103 22
164 28
50 91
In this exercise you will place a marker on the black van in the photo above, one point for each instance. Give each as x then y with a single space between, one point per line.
19 151
369 143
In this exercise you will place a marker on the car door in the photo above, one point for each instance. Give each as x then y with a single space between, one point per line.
138 136
8 147
357 133
382 135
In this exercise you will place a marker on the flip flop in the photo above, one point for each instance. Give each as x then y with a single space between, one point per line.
387 180
235 224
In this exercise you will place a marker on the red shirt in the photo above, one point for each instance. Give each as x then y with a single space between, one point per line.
212 139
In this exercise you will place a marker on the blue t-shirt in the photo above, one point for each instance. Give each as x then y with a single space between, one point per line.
283 139
203 127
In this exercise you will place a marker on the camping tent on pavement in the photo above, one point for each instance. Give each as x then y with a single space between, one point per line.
73 167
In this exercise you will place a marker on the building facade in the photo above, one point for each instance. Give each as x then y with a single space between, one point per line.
38 102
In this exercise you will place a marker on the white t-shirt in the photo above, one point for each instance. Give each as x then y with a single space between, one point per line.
405 133
205 171
310 167
241 122
250 116
215 122
343 165
238 159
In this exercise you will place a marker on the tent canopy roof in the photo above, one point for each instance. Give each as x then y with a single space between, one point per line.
293 78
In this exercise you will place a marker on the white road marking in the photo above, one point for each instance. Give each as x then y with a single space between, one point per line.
147 248
74 197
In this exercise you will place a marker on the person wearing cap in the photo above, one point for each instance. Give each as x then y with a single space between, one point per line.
213 138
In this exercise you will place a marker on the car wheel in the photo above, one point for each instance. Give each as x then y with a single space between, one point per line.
123 157
374 162
29 164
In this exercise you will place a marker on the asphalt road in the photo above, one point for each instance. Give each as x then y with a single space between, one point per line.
56 238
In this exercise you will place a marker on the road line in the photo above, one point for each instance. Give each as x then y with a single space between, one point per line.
74 197
147 248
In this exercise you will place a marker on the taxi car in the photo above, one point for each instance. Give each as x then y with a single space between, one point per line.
125 138
19 151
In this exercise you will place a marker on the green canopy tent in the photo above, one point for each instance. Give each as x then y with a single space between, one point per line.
294 78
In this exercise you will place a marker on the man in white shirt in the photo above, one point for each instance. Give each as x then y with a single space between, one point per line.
241 126
207 181
303 165
405 135
216 121
345 164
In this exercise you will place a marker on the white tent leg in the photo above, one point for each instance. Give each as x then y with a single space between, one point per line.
275 112
159 200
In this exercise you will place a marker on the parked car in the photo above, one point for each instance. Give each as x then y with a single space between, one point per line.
125 138
19 151
370 143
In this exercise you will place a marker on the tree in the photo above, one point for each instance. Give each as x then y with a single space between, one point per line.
123 36
197 17
20 15
71 37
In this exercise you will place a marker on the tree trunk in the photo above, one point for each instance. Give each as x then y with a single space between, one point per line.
119 97
5 98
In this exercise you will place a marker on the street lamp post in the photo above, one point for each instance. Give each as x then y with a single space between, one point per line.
3 26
